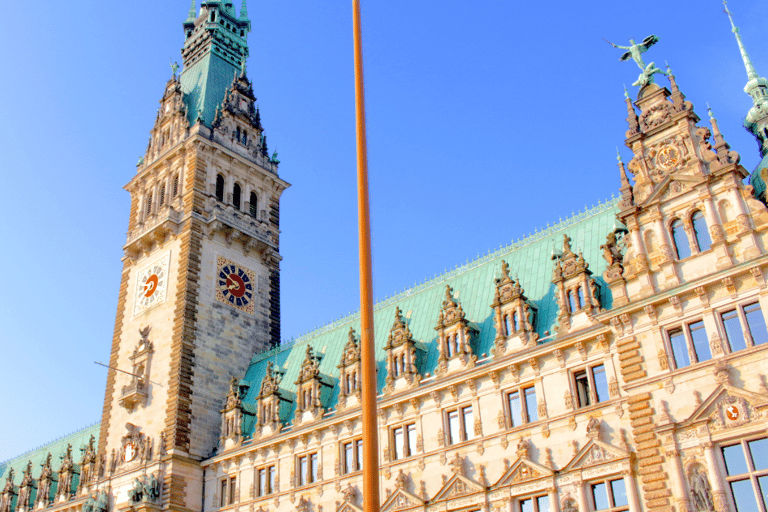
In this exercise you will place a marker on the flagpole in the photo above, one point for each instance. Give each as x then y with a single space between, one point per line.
367 356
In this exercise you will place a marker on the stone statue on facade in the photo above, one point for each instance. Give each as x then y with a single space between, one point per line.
65 474
25 488
701 492
151 488
44 482
6 498
634 52
136 492
101 501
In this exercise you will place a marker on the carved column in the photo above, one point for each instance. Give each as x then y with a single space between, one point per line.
632 496
678 479
745 228
581 496
554 504
713 473
717 234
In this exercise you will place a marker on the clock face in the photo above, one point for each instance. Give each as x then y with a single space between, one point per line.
151 285
235 285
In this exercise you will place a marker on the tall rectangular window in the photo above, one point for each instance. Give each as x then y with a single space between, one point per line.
744 326
591 385
610 495
522 406
267 481
535 504
404 441
232 490
746 467
460 424
307 466
515 409
352 453
689 344
531 407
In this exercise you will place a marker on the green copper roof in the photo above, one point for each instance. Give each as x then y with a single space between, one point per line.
529 259
214 50
78 440
756 179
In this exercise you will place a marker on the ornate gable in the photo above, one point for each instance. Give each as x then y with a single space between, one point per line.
577 292
232 414
171 125
457 486
454 337
596 452
269 402
349 371
308 391
514 315
402 360
401 500
728 407
521 471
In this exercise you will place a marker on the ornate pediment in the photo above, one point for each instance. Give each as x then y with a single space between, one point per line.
400 334
457 485
671 186
401 500
523 470
310 368
728 407
569 264
351 353
270 384
507 289
346 506
451 312
594 453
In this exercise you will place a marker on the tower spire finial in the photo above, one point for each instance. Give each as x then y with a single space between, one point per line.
751 72
243 11
192 14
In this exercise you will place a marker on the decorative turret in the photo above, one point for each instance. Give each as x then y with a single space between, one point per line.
577 295
309 402
402 357
514 314
232 414
349 370
270 401
454 337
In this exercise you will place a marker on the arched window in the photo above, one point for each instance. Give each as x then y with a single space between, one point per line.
396 369
175 186
700 231
507 326
149 204
254 206
245 137
213 16
449 346
580 296
682 248
219 187
572 301
236 196
162 195
515 321
237 134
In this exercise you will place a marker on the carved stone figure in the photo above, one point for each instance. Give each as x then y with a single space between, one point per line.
136 492
101 501
701 492
457 465
594 428
25 488
151 488
6 498
569 505
44 482
65 474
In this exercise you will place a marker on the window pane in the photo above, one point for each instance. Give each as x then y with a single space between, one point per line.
733 330
469 424
313 464
412 438
681 240
349 458
359 454
582 388
303 471
600 497
763 488
700 341
399 442
759 450
700 229
601 383
262 482
572 302
526 506
530 404
453 427
515 412
679 349
735 463
756 323
272 479
619 493
744 496
542 502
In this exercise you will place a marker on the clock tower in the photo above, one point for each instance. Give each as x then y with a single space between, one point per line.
200 287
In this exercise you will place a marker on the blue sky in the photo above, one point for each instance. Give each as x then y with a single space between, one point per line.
486 121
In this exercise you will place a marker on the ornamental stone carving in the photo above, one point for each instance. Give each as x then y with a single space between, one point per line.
25 489
349 370
514 314
66 471
576 292
308 389
44 483
701 491
454 336
402 355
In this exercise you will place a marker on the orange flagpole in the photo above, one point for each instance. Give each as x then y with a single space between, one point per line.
367 348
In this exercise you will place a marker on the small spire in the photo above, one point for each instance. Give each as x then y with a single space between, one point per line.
627 198
243 12
626 92
634 125
192 14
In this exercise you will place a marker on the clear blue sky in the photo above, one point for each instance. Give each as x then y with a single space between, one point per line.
486 120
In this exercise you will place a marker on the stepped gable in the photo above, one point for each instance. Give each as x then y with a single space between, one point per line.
57 449
473 285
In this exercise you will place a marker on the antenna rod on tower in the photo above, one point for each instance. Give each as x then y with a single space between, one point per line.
367 348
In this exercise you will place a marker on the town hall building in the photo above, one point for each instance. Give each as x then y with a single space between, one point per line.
622 371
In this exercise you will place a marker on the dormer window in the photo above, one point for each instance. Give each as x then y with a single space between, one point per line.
513 314
401 356
349 370
454 336
577 291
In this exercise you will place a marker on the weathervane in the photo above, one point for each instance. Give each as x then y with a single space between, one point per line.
635 51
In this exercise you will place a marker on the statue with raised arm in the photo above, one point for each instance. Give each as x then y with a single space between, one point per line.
635 51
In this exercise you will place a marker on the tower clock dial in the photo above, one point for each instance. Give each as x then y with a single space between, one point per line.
151 285
235 285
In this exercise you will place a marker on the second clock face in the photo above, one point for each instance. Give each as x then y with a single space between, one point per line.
235 285
151 285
